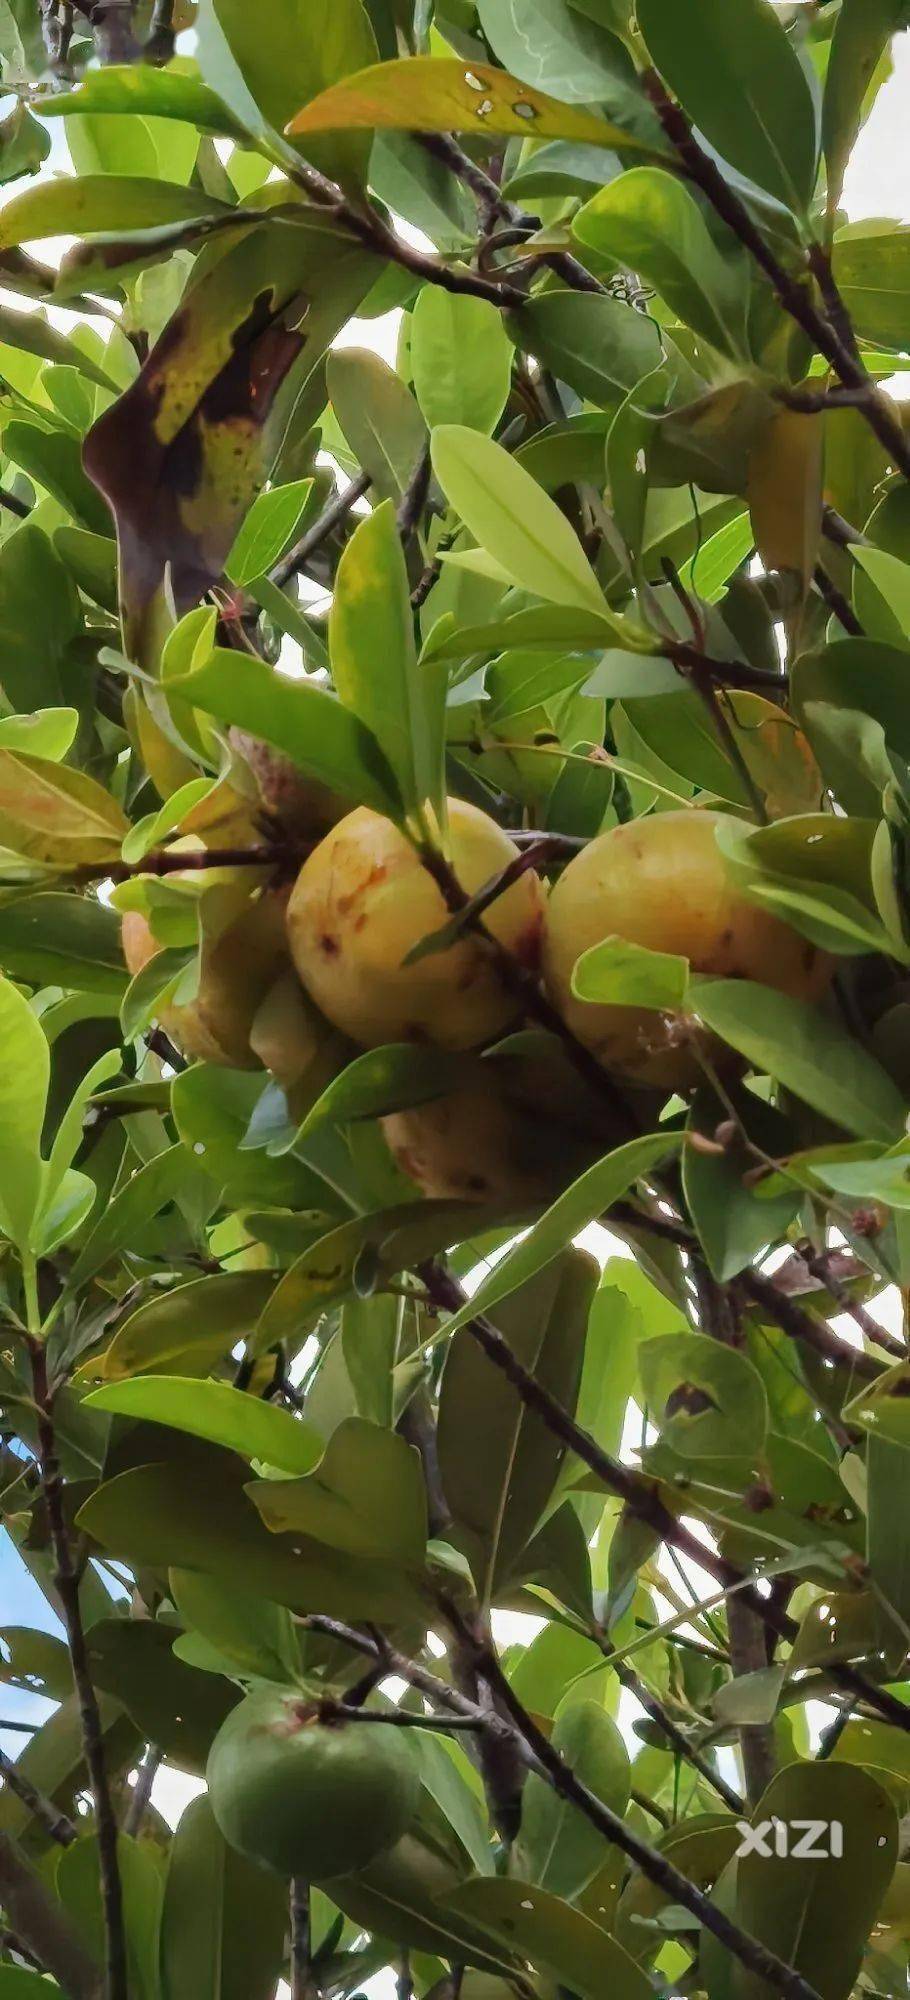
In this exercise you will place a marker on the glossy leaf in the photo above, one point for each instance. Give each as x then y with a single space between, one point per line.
499 1465
375 667
804 1050
513 519
647 221
740 80
461 359
587 1199
557 1848
213 1410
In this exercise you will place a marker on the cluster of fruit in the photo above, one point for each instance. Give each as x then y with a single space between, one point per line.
306 971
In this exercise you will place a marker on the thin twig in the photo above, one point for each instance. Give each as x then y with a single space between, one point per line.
140 1797
67 1585
837 603
804 1328
675 1736
55 1823
826 333
545 1758
330 518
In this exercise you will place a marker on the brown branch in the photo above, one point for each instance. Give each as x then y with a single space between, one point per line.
546 1760
748 1655
675 1736
842 533
36 1917
827 334
837 603
640 1494
520 981
67 1585
732 673
313 538
302 1986
492 203
55 1823
803 1327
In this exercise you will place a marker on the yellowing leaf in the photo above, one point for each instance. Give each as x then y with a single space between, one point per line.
440 94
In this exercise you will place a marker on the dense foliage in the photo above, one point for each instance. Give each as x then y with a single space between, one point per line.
444 807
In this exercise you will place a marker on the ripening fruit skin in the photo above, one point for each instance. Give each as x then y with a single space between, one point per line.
362 901
662 882
515 1134
306 1797
238 968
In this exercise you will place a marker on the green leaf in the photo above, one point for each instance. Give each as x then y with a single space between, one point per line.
437 94
56 814
375 667
146 92
52 939
23 1099
498 1461
510 516
708 1400
39 616
621 974
308 723
551 45
223 1922
149 1190
461 358
741 81
585 1201
379 418
188 1514
77 1881
266 64
134 1662
553 1937
32 333
101 204
557 1847
734 1222
382 1080
213 1410
598 345
259 1637
17 1984
862 31
891 578
817 1914
189 1327
872 269
648 222
805 1051
366 1497
272 522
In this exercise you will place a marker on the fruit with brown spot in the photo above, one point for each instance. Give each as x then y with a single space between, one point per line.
363 900
305 1796
238 968
517 1132
662 882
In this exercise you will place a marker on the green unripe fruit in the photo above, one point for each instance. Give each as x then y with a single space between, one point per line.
307 1797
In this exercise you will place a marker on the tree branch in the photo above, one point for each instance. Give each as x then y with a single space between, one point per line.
826 334
546 1760
39 1920
331 516
67 1584
55 1823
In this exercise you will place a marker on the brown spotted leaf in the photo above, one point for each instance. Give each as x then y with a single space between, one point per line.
180 456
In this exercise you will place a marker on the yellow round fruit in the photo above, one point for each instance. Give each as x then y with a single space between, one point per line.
363 900
662 882
238 969
514 1135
